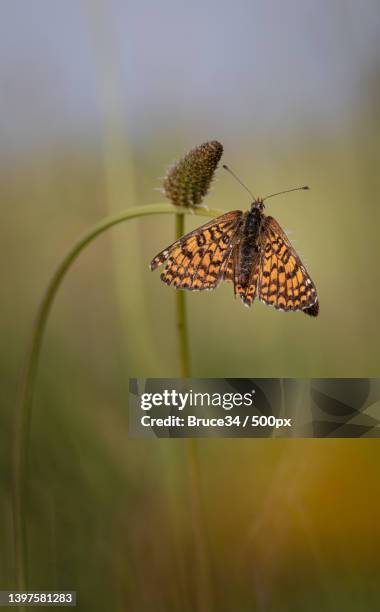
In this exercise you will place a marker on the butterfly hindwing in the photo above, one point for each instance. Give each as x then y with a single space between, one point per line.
283 279
197 261
248 293
229 268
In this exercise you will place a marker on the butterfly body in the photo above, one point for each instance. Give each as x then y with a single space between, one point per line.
249 245
248 249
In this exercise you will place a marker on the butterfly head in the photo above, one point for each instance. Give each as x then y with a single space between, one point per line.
257 204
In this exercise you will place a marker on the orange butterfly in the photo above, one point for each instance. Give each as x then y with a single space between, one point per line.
249 249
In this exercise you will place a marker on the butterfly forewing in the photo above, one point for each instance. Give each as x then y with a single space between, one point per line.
197 261
283 279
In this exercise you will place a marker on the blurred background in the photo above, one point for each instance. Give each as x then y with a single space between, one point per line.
96 99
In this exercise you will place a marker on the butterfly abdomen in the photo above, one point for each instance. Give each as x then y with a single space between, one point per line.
249 246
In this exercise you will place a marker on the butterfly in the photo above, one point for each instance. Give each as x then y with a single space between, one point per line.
250 250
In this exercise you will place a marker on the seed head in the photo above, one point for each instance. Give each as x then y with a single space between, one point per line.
188 180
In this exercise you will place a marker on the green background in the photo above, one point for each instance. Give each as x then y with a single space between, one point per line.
293 94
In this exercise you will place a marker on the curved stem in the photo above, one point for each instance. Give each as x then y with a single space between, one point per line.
28 376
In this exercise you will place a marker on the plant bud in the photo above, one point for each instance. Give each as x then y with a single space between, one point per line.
188 180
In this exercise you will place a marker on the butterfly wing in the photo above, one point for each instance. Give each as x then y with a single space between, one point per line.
228 274
231 269
283 279
197 261
248 293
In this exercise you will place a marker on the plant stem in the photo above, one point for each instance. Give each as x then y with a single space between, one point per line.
183 336
28 376
204 596
202 572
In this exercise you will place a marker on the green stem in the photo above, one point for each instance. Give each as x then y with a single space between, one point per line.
203 578
28 376
183 336
204 594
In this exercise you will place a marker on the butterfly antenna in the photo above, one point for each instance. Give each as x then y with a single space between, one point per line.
239 181
286 191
